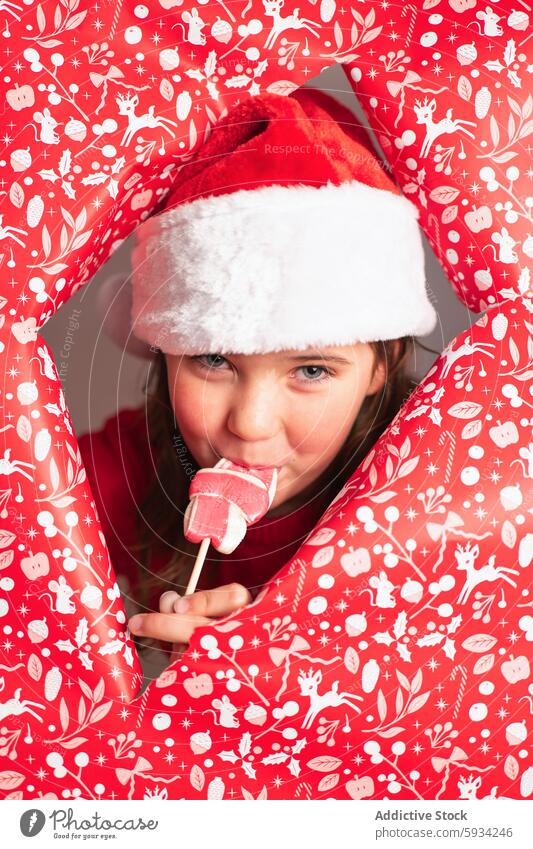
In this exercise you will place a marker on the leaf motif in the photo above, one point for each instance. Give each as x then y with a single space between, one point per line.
511 767
82 631
41 18
404 681
464 87
382 705
527 108
382 496
418 702
479 643
373 475
76 20
9 779
245 744
16 195
509 52
483 664
494 131
511 126
63 502
465 410
166 90
416 683
370 18
6 538
351 660
54 474
64 715
508 534
391 732
6 559
408 467
197 778
193 135
35 667
389 468
328 782
337 32
86 690
515 353
399 701
225 627
443 194
47 242
471 429
283 87
80 240
74 743
100 712
449 214
371 35
82 711
99 691
430 4
514 106
324 764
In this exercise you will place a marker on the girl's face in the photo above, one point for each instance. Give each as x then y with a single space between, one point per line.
291 409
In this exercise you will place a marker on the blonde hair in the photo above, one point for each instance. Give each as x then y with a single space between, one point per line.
160 514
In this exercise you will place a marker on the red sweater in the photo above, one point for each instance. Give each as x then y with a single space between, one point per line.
119 467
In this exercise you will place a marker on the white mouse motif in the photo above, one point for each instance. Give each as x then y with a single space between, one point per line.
227 713
383 588
64 593
48 124
195 24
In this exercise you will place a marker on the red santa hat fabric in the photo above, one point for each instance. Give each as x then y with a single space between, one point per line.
283 232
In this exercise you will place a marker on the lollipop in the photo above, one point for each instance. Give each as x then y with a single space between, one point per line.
224 500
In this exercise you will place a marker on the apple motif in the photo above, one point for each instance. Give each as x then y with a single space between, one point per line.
479 219
25 331
504 434
516 669
360 788
199 685
356 561
35 566
20 97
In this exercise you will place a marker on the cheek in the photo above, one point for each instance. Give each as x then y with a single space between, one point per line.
196 416
323 427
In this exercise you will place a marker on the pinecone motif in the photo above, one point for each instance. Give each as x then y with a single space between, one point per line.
482 103
52 683
499 327
216 789
35 211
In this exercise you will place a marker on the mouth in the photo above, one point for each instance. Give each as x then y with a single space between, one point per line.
249 465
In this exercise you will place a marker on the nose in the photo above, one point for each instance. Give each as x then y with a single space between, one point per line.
254 414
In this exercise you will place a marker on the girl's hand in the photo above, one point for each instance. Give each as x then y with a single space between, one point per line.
174 625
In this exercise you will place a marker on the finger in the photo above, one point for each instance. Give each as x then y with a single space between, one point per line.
171 628
167 601
216 602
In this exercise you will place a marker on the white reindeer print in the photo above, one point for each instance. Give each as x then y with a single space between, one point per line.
127 105
16 706
424 115
309 687
280 24
466 349
466 560
469 786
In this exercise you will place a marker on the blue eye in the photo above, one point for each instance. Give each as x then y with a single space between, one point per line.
213 362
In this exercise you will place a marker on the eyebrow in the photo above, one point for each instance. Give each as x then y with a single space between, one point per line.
325 358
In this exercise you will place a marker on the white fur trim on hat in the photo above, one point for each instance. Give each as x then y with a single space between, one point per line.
280 267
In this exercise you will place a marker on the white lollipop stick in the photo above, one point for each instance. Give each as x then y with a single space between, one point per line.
197 568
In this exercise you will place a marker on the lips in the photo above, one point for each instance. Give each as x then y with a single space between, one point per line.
250 465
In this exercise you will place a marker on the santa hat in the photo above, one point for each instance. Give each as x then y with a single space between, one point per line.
283 232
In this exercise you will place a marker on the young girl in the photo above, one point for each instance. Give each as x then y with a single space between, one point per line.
281 287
